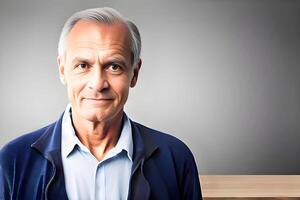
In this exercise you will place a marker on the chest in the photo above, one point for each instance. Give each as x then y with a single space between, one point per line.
86 178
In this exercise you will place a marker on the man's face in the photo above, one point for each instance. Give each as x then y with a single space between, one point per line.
97 69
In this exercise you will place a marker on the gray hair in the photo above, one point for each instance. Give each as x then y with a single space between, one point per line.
103 15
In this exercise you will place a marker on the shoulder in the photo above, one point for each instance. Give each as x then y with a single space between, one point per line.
173 161
21 145
165 141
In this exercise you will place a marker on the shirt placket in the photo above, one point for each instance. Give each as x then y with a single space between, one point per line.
100 185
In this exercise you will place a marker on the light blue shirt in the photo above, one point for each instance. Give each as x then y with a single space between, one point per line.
85 177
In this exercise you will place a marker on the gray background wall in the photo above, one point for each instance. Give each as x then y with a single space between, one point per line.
223 76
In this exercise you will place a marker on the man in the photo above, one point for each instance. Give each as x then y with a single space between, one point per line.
94 151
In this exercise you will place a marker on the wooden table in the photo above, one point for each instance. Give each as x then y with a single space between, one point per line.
250 187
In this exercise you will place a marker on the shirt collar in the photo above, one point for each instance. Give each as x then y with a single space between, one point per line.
69 139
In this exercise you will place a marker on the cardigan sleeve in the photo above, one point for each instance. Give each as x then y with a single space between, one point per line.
191 184
4 186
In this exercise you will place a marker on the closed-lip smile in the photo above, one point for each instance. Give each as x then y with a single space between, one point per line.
98 99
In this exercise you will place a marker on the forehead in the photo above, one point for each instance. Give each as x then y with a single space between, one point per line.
96 35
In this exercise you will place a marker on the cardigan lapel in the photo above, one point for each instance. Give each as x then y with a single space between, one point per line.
49 145
143 148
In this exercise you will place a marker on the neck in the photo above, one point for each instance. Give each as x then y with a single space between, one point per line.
98 137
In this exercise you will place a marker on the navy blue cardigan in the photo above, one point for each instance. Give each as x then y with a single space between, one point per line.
163 166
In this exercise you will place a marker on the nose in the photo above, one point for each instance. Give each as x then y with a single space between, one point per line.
98 81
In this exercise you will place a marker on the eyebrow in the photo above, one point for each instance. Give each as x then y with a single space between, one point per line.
117 60
81 59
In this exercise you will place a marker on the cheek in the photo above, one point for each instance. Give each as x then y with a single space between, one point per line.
121 88
74 89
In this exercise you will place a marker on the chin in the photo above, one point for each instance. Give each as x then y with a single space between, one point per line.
93 115
97 115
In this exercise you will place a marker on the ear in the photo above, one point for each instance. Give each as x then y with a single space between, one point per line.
136 73
61 69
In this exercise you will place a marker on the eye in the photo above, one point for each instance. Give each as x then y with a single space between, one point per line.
115 68
82 66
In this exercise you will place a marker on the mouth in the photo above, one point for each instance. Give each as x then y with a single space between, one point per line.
98 101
